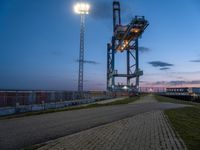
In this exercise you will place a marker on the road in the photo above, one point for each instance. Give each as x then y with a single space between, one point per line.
22 132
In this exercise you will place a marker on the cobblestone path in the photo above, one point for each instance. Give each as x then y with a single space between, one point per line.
147 131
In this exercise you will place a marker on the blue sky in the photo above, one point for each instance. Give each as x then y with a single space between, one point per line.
39 43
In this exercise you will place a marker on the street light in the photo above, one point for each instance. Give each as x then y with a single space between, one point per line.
82 9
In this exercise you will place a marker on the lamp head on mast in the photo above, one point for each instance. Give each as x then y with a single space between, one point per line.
82 8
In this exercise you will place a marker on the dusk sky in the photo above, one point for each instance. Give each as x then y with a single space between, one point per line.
39 43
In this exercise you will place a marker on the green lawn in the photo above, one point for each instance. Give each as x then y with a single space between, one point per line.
172 100
186 121
118 102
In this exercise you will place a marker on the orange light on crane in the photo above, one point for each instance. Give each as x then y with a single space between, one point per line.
126 42
135 30
123 46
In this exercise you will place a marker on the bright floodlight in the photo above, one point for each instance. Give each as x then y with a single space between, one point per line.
82 8
125 87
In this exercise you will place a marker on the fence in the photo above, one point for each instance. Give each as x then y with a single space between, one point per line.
13 98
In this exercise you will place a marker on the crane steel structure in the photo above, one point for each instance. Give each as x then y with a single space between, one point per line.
125 38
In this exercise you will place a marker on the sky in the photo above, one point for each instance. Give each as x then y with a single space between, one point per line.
39 43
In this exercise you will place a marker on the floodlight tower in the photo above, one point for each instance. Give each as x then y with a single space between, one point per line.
82 9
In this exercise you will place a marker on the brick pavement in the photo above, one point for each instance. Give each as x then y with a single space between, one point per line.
147 131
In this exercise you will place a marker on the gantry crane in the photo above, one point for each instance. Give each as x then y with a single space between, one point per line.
125 39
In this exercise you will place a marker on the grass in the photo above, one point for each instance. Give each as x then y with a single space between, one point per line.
173 100
117 102
186 121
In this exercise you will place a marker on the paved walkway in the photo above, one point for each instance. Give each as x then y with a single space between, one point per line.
17 133
144 99
147 131
111 100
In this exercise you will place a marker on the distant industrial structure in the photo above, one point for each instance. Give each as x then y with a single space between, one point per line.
184 93
125 39
152 89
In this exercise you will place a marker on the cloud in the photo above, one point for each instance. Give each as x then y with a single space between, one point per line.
175 73
89 62
176 82
195 82
184 82
164 68
196 61
179 77
144 49
159 82
101 9
160 64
